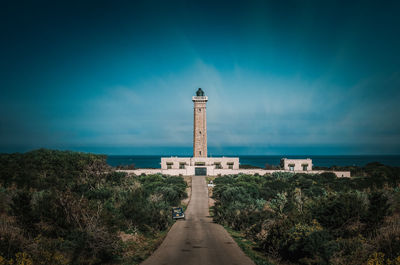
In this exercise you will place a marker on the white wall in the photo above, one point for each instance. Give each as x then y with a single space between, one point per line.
298 164
211 171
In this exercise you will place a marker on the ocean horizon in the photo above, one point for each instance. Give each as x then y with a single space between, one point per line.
153 161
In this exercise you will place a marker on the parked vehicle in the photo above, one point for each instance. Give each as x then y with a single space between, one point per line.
177 213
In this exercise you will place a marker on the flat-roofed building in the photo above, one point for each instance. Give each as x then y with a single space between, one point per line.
296 164
198 165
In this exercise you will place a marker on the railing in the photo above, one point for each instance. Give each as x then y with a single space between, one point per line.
200 98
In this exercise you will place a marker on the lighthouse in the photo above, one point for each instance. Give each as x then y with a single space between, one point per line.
199 124
199 164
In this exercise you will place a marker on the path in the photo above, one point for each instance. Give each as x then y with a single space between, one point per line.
197 240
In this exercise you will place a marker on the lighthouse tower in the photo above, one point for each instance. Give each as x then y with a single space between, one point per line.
199 124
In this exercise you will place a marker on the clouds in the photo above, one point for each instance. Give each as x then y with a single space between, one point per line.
247 111
303 77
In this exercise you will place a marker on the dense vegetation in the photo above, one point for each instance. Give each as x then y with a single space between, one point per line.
71 208
316 219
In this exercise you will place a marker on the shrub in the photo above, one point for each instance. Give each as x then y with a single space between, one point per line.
315 219
21 208
62 207
377 210
337 210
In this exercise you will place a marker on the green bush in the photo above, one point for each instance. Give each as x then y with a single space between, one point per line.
21 208
337 210
377 210
315 219
61 207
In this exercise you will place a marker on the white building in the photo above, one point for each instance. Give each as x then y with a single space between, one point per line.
296 164
199 165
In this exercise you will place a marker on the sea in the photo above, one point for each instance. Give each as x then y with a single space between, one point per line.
260 161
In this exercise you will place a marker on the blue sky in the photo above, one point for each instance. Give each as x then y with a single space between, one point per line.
282 77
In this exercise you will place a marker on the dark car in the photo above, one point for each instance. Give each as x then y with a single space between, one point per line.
177 213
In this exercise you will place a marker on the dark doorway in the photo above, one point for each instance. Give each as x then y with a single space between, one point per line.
200 171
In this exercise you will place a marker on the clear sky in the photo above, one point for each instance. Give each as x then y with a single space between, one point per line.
282 77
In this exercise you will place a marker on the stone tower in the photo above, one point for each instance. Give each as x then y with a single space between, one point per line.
200 124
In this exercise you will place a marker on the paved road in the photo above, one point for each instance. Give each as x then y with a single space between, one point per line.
198 240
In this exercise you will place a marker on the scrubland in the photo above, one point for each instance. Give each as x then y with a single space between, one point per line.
314 219
61 207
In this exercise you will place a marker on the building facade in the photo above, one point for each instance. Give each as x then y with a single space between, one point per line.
296 164
199 165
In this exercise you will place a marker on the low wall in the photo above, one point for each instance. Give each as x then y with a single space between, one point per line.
215 172
339 174
140 171
238 171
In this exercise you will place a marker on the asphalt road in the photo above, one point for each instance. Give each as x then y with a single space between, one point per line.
197 240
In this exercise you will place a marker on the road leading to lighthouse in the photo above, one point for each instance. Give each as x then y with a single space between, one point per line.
197 240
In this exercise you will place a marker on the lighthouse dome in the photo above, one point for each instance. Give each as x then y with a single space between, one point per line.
200 93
